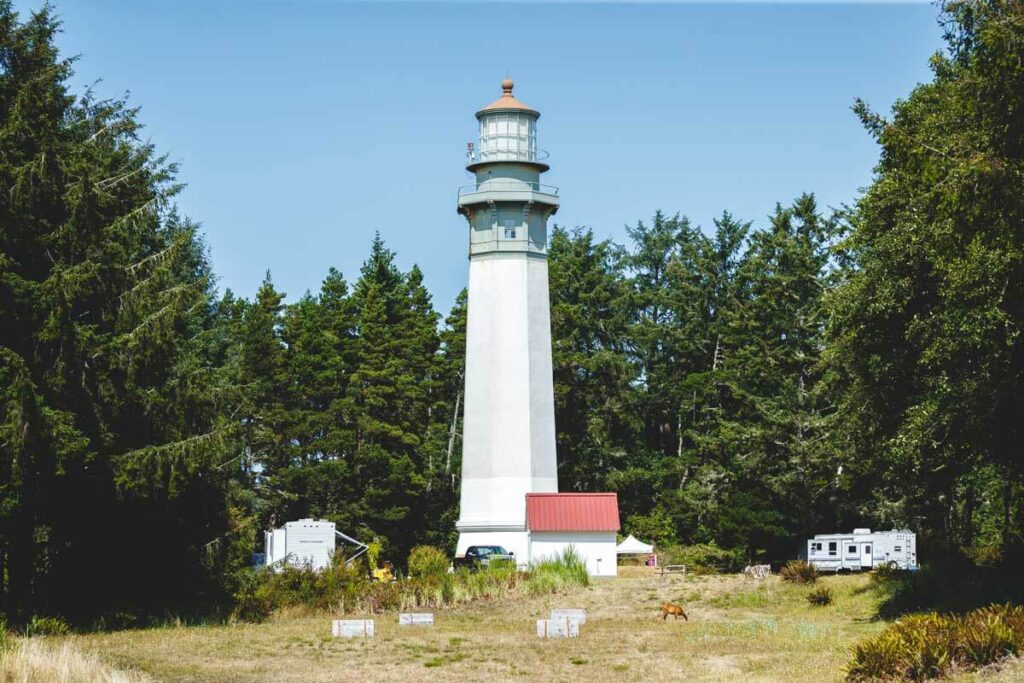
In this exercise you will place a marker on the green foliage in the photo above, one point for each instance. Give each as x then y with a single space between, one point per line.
46 626
262 591
425 560
703 558
554 574
715 379
113 406
924 333
954 584
820 597
347 589
657 528
930 646
798 571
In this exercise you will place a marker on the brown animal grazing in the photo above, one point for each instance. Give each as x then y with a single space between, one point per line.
668 608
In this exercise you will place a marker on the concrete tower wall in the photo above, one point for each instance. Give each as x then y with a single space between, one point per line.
509 424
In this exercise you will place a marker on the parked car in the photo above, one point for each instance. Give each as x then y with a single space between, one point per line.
478 556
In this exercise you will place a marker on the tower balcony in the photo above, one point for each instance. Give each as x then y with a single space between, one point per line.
507 190
507 185
512 153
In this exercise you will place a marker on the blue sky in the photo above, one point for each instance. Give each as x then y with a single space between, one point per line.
302 127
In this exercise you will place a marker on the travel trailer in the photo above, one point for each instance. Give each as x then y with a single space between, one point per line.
863 550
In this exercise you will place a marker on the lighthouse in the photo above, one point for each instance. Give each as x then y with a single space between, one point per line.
508 448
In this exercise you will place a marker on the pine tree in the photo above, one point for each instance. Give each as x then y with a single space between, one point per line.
107 405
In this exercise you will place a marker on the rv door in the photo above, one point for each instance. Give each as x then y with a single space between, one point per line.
866 556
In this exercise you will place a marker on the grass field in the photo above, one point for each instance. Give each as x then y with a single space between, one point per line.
739 630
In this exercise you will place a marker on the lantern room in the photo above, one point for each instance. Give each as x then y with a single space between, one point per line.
508 131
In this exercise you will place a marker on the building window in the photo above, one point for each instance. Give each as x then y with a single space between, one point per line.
833 548
510 228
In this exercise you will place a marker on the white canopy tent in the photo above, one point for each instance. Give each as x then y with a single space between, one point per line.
631 546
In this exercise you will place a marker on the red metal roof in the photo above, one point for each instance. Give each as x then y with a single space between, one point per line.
572 511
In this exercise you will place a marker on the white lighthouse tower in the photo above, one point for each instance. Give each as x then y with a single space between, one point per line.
509 427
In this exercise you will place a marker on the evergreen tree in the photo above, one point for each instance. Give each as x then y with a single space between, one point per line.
593 375
108 412
924 334
770 431
390 393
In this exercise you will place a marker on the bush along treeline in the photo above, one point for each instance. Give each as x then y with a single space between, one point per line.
739 386
346 588
928 646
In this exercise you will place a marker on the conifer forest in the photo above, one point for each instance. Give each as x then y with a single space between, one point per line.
745 384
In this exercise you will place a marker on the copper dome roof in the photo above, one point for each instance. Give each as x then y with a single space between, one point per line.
507 102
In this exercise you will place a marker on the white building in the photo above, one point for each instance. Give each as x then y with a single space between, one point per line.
586 522
508 436
863 550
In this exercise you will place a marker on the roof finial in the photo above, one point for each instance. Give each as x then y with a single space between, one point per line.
506 86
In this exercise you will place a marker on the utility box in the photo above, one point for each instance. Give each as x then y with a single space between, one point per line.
305 543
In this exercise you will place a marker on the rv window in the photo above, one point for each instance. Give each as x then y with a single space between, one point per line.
815 547
851 549
832 547
898 548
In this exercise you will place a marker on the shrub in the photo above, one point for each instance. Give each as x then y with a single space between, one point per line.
820 597
985 555
886 573
426 560
951 584
261 592
347 589
798 571
251 603
704 558
556 573
927 646
47 626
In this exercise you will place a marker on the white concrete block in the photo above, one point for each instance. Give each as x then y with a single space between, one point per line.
579 615
352 628
416 619
558 628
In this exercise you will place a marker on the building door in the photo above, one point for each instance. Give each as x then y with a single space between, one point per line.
866 557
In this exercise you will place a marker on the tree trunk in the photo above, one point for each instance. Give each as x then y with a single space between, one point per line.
452 431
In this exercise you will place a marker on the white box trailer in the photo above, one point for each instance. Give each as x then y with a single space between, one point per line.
305 543
863 550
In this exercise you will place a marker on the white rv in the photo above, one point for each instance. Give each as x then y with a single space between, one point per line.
305 543
863 550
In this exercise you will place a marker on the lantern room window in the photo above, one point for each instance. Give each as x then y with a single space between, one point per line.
508 137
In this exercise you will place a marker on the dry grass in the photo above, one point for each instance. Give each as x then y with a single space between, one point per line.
739 629
33 660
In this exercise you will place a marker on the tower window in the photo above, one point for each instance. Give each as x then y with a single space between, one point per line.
510 228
